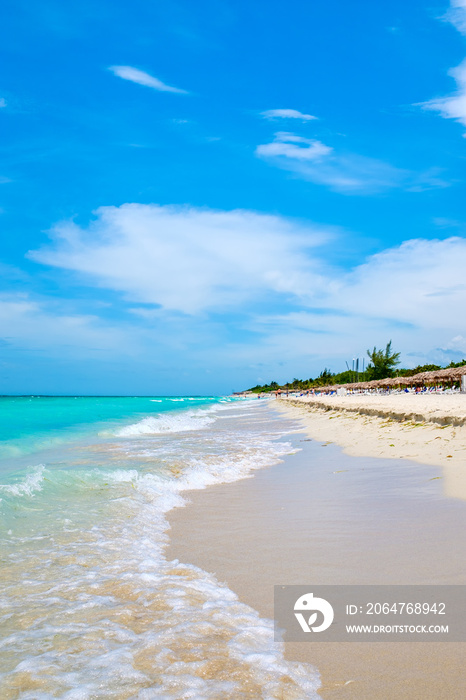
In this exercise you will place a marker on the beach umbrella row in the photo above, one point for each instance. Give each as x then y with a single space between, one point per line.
438 376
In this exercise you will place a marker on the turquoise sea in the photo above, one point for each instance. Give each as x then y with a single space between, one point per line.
89 605
29 423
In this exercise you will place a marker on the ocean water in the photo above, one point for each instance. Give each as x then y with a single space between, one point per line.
89 605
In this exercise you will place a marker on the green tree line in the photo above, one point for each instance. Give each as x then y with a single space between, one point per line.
383 363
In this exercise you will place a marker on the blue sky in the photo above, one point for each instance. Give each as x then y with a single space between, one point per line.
196 197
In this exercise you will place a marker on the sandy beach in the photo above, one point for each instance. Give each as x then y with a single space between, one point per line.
442 409
364 499
430 429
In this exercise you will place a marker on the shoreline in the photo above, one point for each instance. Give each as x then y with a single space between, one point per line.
360 434
322 516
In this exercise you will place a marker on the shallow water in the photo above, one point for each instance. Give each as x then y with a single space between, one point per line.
90 607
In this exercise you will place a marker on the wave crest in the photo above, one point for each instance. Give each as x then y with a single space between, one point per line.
167 423
31 483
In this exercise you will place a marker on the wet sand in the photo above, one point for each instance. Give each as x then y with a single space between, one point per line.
324 517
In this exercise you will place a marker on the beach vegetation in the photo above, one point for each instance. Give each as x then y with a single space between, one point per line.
427 368
382 362
385 361
324 378
456 364
416 370
273 386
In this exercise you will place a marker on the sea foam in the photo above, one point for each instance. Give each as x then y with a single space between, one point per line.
92 606
168 423
27 486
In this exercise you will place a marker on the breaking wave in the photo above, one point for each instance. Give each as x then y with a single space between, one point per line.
168 423
27 486
92 607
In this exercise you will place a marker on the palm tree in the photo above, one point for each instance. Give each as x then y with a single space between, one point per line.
383 362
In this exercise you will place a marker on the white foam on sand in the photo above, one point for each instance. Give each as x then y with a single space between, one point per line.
93 608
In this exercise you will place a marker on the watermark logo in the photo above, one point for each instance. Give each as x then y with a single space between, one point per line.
307 603
317 613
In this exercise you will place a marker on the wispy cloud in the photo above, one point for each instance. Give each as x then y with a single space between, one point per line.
192 260
286 114
412 293
182 267
138 76
293 146
2 102
37 324
188 260
453 106
315 161
430 179
418 282
444 222
457 15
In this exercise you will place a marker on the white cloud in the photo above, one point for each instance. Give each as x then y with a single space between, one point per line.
458 343
286 114
187 259
284 144
421 282
457 15
414 293
37 324
167 260
314 161
453 106
138 76
194 260
2 102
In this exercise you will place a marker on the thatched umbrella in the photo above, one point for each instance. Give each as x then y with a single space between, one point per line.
372 384
360 385
450 374
407 381
423 377
458 372
326 388
402 381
